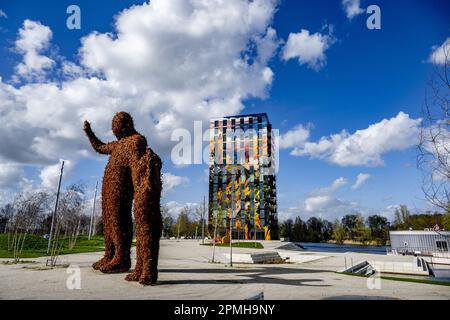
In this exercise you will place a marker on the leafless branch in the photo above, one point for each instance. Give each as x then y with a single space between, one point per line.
434 140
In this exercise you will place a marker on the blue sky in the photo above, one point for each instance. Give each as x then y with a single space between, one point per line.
357 79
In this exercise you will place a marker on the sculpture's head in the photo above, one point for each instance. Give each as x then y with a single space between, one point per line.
122 125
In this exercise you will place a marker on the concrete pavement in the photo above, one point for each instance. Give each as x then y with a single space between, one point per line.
186 273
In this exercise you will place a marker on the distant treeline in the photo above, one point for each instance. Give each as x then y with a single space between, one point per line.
188 224
353 227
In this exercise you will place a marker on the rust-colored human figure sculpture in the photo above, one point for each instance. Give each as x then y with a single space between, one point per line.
133 172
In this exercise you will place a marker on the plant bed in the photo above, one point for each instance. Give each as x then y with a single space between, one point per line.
251 245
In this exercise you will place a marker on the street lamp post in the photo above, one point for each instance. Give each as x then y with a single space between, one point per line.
93 211
231 219
56 208
214 239
203 220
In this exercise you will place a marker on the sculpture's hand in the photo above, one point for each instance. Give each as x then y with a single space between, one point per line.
96 143
87 126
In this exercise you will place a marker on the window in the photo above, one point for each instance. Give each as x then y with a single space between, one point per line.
442 245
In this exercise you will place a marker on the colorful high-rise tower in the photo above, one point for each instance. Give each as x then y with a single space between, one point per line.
242 182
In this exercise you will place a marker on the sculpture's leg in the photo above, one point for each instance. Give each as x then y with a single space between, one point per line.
147 215
148 232
150 249
155 235
119 202
136 274
109 245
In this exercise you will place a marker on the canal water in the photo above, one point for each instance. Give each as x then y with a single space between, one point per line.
331 247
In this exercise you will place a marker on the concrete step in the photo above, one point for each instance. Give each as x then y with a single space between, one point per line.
290 246
296 257
254 258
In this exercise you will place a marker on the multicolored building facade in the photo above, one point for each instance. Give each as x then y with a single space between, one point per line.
242 181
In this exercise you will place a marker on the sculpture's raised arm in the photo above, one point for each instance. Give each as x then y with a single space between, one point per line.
96 143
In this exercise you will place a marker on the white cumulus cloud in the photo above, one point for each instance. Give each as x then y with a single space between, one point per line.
167 62
440 54
49 175
364 147
174 208
323 203
33 38
360 180
10 175
352 8
295 137
328 202
171 181
324 199
336 185
308 48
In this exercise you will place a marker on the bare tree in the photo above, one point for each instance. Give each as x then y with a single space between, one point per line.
434 145
167 220
97 215
70 219
195 214
26 219
7 212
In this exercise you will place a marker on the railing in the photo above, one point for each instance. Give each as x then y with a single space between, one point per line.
421 251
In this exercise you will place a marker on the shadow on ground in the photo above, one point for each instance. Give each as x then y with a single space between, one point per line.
355 297
246 276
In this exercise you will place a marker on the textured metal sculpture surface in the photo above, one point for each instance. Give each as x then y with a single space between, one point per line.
133 172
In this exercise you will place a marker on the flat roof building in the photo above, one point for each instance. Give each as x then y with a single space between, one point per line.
427 242
242 182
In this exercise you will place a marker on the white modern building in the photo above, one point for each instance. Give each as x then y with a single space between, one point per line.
424 243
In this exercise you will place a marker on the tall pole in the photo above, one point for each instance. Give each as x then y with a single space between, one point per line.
203 220
93 212
231 237
214 239
254 236
254 227
231 220
93 225
56 208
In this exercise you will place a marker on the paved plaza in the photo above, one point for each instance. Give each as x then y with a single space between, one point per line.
186 273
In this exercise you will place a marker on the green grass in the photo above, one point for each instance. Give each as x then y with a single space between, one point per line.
414 280
426 281
253 245
36 246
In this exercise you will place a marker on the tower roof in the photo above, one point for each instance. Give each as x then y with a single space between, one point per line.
263 114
